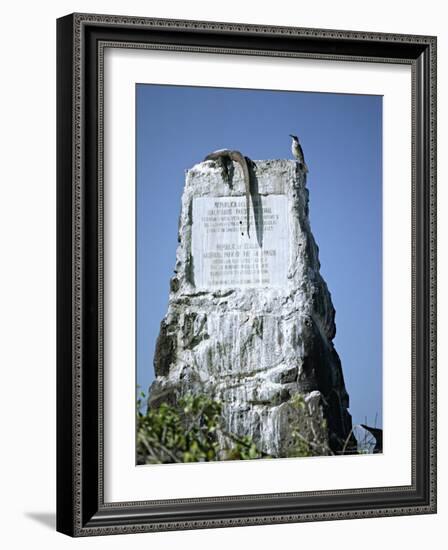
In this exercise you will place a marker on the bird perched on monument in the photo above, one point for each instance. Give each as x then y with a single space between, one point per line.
297 152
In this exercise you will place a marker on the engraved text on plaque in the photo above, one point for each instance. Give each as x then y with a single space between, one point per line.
222 252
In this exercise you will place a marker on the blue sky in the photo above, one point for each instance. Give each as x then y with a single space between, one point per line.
341 135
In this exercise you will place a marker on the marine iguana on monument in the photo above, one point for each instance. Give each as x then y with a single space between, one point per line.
226 155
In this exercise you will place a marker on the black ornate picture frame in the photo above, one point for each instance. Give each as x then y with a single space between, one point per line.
81 507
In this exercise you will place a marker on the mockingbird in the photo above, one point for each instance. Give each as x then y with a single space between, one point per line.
297 152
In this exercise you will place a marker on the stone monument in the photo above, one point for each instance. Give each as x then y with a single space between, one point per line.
250 320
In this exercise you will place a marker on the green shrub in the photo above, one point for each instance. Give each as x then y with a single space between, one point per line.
190 432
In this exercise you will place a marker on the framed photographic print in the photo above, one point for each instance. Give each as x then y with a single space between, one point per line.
246 274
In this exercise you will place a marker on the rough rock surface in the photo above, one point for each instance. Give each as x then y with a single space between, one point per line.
254 349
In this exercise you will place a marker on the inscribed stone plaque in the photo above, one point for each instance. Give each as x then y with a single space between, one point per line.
224 255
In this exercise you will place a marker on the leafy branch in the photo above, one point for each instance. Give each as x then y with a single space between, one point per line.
192 431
